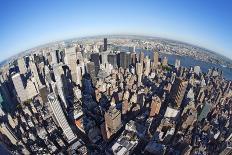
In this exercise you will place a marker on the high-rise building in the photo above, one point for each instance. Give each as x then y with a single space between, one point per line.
147 63
35 73
22 66
59 77
177 64
43 93
155 59
125 59
112 59
95 57
155 106
7 131
105 44
19 87
31 89
133 58
79 75
132 49
178 91
139 72
71 61
54 57
112 121
104 58
91 71
227 150
204 111
6 103
60 117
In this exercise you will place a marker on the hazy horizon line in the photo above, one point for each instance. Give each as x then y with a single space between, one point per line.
112 35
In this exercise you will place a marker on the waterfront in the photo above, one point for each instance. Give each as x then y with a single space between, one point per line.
187 61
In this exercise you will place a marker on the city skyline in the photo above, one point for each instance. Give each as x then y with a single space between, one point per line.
29 24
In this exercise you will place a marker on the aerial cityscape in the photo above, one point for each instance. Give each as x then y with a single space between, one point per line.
107 77
115 95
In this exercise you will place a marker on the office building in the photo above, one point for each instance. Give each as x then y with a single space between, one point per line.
147 63
91 71
35 73
155 59
6 102
71 61
112 59
105 44
104 58
141 57
19 87
125 59
60 117
95 58
178 91
133 58
204 111
55 58
31 89
112 121
155 106
60 83
7 131
22 65
139 72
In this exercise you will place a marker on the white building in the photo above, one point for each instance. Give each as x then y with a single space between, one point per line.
60 117
5 129
22 65
19 87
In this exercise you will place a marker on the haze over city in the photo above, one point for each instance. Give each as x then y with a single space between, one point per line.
26 24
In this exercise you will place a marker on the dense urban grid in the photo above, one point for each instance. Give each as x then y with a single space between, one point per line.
93 98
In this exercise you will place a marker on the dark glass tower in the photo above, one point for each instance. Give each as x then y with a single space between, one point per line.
105 44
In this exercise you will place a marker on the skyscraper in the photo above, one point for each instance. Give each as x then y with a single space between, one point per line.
95 57
105 44
55 55
155 106
7 131
104 58
22 66
178 91
132 49
125 59
112 59
177 64
141 57
204 111
112 121
71 61
19 87
139 72
155 59
60 117
91 71
147 63
133 58
59 77
6 102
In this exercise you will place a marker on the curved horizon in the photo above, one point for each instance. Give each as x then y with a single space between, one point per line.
113 35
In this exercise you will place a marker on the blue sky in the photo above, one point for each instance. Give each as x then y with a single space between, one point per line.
25 24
